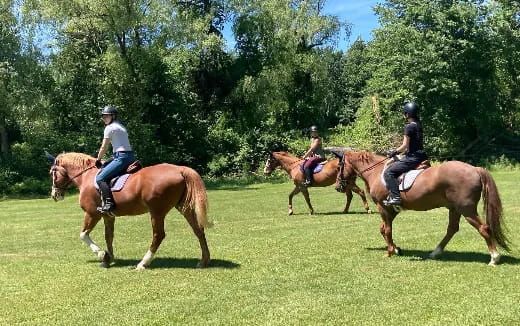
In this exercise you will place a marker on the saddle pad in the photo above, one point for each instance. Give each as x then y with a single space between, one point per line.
116 184
317 169
406 180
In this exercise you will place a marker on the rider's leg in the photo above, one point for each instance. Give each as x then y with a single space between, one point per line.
113 169
393 172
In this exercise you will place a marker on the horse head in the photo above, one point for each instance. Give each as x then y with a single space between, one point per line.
346 173
60 178
270 164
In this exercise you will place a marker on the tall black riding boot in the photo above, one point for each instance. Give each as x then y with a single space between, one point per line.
108 204
308 177
395 196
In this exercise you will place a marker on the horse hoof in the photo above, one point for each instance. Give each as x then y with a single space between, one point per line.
398 251
101 255
104 265
140 268
369 211
201 264
291 212
311 213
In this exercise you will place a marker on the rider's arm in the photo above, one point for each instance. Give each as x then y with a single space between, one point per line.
314 145
103 148
404 145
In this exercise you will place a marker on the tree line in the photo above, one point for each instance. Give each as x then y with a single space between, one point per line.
189 97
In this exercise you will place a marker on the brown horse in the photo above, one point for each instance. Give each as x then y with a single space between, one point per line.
454 185
155 189
326 177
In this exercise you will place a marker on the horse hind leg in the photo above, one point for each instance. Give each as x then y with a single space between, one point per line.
361 194
199 232
484 231
453 227
158 236
305 193
349 195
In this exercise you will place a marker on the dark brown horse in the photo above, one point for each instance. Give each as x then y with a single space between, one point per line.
455 185
326 177
155 189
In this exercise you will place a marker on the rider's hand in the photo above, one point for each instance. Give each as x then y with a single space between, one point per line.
392 153
98 164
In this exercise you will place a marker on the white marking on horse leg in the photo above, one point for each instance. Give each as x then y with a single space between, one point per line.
436 253
86 238
495 258
147 259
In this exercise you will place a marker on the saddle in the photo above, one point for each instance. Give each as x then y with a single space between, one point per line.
317 169
407 179
117 183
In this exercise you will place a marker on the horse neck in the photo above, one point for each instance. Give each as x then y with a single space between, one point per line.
361 165
75 172
287 162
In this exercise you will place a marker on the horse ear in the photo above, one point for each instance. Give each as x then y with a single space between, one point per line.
51 158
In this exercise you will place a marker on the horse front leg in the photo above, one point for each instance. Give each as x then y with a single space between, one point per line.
89 222
388 215
108 256
158 236
295 191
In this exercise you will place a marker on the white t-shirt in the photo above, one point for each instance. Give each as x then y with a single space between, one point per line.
118 137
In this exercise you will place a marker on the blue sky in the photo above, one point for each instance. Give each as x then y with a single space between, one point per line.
357 12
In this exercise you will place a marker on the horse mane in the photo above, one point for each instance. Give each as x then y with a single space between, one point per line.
78 160
362 156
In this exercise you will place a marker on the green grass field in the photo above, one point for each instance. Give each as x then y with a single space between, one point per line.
268 268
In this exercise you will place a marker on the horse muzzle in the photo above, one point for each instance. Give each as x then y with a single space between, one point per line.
57 194
267 171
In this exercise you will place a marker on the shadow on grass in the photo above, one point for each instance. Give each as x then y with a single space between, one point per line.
451 256
165 262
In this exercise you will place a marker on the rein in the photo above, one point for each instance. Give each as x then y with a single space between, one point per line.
342 178
372 166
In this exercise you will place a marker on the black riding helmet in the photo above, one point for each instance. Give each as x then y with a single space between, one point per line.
313 128
109 109
411 108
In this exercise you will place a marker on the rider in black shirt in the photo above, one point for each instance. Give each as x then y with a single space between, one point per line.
413 144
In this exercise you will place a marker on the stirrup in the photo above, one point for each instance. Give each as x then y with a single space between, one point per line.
393 201
107 209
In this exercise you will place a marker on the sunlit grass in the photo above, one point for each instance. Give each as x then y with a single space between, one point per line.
269 268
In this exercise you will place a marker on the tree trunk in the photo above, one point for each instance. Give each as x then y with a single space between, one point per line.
4 144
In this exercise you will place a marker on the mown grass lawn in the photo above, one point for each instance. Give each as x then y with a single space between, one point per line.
268 268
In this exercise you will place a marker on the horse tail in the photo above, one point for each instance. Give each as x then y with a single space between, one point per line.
196 199
493 208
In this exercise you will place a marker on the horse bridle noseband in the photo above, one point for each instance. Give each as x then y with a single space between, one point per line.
54 169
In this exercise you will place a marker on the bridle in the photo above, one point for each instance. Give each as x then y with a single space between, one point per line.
55 170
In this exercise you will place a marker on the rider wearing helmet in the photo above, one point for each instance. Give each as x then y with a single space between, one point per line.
116 134
313 156
413 146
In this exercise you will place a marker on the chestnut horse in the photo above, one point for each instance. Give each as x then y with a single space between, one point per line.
155 189
454 185
326 177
